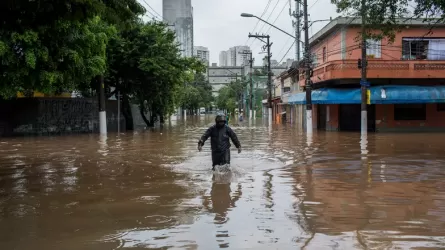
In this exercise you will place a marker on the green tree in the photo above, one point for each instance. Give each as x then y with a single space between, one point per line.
230 95
197 94
53 45
145 65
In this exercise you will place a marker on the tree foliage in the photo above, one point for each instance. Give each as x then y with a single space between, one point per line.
197 94
53 45
145 64
230 95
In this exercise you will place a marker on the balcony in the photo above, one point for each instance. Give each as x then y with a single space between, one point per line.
347 69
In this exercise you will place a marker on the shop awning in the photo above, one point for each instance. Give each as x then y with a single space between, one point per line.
387 94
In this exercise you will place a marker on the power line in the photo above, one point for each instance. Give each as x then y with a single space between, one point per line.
277 16
273 10
157 16
287 52
152 9
264 12
262 27
313 4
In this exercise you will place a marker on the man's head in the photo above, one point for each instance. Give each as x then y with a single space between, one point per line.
220 120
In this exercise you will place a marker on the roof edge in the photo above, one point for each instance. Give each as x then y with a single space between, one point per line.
352 21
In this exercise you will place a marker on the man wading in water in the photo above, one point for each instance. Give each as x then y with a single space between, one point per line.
219 140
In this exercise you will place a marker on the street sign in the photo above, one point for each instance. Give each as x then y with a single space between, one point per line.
365 83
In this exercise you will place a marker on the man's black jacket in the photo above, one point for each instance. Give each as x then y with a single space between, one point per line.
219 138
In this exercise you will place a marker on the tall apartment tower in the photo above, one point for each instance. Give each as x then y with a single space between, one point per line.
223 59
235 56
179 15
202 53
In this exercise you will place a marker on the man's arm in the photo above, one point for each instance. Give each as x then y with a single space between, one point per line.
204 137
234 137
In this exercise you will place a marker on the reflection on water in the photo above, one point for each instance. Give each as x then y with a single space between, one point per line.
152 189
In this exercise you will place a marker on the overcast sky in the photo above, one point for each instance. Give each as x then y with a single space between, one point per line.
219 26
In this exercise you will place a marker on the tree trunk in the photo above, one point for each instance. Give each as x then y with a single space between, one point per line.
126 111
161 119
141 111
153 118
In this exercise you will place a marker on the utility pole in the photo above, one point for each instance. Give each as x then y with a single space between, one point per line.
363 81
297 24
102 111
269 73
118 112
246 52
307 62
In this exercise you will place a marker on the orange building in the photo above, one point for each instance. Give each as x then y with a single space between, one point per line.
406 78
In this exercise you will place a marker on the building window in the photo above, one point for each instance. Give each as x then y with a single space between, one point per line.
423 49
374 48
441 107
409 112
286 89
324 54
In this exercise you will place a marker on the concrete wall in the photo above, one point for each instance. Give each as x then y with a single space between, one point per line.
332 122
46 116
435 120
390 51
342 44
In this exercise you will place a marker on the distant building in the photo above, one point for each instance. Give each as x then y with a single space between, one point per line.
179 15
223 59
221 76
235 56
273 63
202 53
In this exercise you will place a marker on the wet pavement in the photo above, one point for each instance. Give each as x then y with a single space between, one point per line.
153 190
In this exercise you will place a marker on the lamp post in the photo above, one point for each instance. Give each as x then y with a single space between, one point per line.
251 15
306 59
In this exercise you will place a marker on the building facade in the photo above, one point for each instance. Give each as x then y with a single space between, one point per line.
235 56
405 78
202 53
223 59
221 76
179 15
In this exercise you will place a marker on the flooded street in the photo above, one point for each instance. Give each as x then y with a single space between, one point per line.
153 189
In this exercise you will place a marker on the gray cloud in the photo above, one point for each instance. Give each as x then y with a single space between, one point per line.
218 24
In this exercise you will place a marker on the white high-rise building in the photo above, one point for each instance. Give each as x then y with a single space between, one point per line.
235 56
223 62
202 53
179 15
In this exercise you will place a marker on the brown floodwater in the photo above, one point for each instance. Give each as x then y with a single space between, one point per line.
152 190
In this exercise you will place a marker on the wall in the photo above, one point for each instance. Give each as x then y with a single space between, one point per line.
332 123
276 87
45 116
342 44
314 116
390 51
435 120
333 45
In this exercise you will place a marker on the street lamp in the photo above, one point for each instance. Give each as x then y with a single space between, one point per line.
251 15
247 15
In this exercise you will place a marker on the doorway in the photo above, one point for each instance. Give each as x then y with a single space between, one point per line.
321 116
350 117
